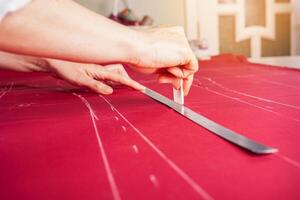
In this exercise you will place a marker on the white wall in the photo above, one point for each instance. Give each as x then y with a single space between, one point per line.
169 12
296 28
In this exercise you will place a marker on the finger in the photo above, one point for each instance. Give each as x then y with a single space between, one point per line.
95 85
176 71
122 71
187 84
123 80
117 68
191 68
168 78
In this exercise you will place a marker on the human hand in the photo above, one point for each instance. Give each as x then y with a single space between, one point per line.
166 51
95 77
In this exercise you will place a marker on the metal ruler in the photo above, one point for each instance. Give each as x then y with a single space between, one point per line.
212 126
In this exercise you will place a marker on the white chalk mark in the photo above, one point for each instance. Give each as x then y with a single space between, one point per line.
135 148
197 188
245 102
6 90
116 118
108 170
258 75
269 107
154 180
87 104
237 99
278 83
251 96
289 160
124 128
25 105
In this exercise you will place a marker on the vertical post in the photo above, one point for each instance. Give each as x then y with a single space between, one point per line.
115 8
209 23
295 37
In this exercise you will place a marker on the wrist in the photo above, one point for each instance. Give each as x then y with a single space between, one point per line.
135 49
15 62
36 64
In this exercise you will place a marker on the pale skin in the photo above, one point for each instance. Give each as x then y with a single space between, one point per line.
62 29
97 78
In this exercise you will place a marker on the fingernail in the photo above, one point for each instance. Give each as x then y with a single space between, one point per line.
107 89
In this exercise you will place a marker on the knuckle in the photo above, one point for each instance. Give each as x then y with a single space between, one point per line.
79 79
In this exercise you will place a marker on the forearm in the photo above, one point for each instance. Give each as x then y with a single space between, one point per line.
62 29
14 62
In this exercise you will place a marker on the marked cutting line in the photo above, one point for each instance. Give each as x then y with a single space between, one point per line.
111 180
6 90
245 102
197 188
251 96
135 148
289 160
124 128
154 180
88 105
259 75
278 83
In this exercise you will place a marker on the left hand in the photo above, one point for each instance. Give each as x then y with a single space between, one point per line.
95 77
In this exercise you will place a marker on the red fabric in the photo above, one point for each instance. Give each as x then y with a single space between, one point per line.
49 147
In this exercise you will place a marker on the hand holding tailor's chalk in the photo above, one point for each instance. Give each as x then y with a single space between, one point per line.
166 51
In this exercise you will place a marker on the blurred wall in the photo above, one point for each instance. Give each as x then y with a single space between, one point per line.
170 12
296 27
253 28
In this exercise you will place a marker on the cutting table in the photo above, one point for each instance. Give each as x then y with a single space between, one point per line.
60 142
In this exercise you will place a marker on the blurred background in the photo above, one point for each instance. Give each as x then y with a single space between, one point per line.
254 28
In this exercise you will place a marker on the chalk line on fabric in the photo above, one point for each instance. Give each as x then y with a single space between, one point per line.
269 107
278 83
124 128
111 180
135 148
260 75
197 188
251 96
25 105
116 118
87 104
6 90
154 180
289 160
245 102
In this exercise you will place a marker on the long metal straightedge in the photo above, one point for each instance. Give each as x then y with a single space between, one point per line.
212 126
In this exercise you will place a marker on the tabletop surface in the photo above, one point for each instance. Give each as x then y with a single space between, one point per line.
280 61
60 142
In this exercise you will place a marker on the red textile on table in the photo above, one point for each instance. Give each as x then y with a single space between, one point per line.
49 147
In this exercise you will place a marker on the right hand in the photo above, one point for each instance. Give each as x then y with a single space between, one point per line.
166 51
